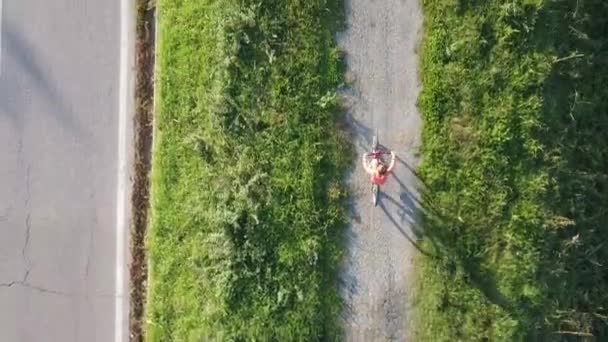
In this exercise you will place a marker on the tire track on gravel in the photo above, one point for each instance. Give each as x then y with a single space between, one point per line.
381 42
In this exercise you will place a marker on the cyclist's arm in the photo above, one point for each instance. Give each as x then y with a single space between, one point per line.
392 164
366 164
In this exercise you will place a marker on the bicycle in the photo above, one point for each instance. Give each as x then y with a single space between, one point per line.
376 153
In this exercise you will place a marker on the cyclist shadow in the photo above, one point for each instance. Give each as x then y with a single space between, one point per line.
406 216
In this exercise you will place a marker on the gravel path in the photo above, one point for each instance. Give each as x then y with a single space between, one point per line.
381 46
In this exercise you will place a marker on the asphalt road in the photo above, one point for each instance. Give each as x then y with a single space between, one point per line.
59 169
377 281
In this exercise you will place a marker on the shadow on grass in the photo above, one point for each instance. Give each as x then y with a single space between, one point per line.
564 54
440 226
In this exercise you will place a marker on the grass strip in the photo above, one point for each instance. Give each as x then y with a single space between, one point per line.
247 196
515 166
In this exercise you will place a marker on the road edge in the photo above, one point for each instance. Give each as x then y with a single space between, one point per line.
124 169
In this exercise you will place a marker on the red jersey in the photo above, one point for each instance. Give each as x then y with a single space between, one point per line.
380 179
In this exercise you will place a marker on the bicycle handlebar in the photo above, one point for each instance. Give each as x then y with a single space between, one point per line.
379 152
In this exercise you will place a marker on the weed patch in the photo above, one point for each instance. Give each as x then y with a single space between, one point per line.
247 194
515 160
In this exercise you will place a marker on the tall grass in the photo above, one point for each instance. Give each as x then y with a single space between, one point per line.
515 164
247 199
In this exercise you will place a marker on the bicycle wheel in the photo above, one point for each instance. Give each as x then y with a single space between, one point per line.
374 194
375 141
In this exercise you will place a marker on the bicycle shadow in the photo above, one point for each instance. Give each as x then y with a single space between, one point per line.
406 219
405 214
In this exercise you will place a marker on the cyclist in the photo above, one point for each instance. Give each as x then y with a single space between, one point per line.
376 168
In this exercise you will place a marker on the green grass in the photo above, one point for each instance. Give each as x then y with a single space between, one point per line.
515 163
247 195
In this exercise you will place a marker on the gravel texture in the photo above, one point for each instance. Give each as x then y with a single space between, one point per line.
381 43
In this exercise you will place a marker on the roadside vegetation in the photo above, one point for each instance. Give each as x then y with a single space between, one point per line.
247 195
515 166
142 125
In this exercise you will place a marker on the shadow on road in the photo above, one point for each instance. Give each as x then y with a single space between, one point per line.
406 215
15 84
362 133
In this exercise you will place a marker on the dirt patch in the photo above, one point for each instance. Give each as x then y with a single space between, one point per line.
144 100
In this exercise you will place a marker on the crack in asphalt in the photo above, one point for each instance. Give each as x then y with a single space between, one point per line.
28 194
20 146
24 283
47 291
28 228
26 276
40 289
89 255
91 242
9 284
